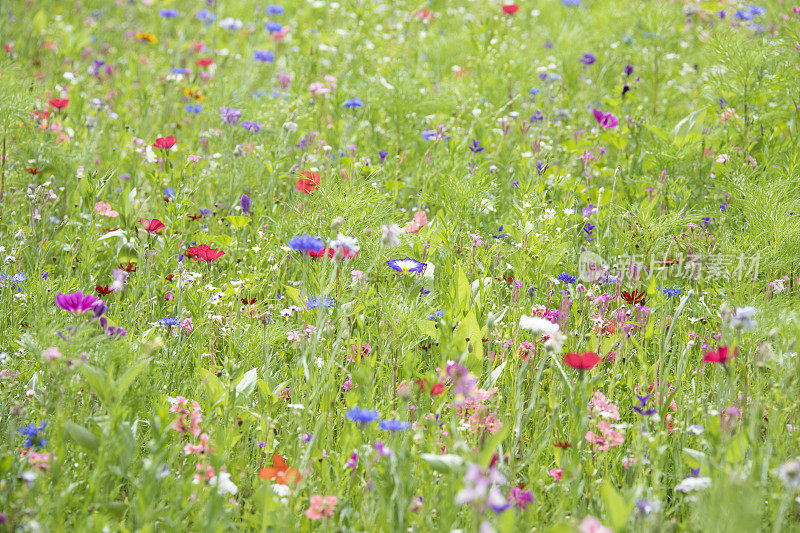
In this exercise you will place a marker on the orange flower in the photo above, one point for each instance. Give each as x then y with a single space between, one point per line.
146 37
280 472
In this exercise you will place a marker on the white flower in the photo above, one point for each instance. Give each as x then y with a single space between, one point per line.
345 241
537 324
223 483
742 318
555 343
691 484
789 472
391 235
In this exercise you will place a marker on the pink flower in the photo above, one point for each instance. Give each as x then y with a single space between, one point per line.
194 158
102 208
557 473
591 524
321 506
51 353
602 408
419 221
197 448
607 438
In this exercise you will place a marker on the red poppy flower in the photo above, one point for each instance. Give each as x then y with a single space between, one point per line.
582 361
633 297
103 290
130 267
165 143
152 226
510 9
59 103
307 182
721 355
170 277
205 62
33 170
330 252
194 217
204 253
251 301
562 444
437 389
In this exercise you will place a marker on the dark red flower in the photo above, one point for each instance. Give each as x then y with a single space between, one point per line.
165 143
721 355
205 62
194 217
170 277
103 290
152 226
33 170
562 444
307 182
59 103
251 301
633 297
510 9
204 253
130 267
582 361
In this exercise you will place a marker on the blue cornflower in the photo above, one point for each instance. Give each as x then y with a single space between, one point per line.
169 192
500 234
351 103
382 154
168 13
567 278
167 321
206 16
571 3
394 425
757 10
273 27
541 168
34 435
264 55
672 293
205 212
534 91
273 9
194 108
306 244
314 302
362 416
14 278
438 314
177 70
230 115
744 14
608 278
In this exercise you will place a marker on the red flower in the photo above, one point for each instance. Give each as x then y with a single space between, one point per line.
582 361
633 297
510 9
59 103
251 301
330 252
103 290
165 143
204 253
152 226
33 170
307 182
205 62
130 267
721 355
437 389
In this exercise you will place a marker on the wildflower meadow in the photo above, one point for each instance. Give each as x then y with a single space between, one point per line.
391 265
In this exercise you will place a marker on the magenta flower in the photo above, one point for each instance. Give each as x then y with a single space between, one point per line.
605 120
76 303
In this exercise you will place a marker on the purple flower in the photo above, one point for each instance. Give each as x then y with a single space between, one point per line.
628 70
76 303
273 27
382 154
588 59
605 120
520 498
642 405
230 115
476 147
352 462
265 56
255 127
273 9
168 13
99 308
463 381
245 202
406 265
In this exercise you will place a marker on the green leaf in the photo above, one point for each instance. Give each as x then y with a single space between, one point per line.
618 509
124 382
463 290
737 448
238 221
82 436
99 381
292 293
426 327
442 463
247 384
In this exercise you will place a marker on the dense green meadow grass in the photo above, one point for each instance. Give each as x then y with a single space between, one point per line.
377 265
